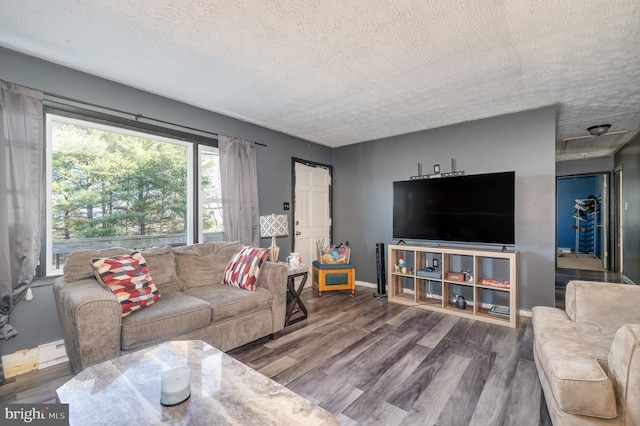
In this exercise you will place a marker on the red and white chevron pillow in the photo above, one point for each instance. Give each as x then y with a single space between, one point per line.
127 276
243 269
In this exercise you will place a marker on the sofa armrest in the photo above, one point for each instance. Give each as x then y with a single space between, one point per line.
90 318
624 371
609 305
273 277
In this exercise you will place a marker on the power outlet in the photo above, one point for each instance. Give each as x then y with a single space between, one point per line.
285 205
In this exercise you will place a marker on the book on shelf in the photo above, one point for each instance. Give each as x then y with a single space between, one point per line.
499 310
495 283
429 273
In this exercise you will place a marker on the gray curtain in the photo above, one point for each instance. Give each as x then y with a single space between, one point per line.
239 180
21 196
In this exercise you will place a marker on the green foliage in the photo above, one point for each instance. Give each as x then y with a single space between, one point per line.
210 195
107 184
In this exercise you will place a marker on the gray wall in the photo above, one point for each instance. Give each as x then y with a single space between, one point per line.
36 321
583 167
628 158
524 142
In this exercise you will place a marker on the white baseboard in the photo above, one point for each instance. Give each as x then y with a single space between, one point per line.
525 313
52 354
366 284
358 283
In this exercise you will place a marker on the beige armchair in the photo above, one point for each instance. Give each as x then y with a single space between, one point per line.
588 356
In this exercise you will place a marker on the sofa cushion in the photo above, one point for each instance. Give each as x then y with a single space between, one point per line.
243 269
162 266
203 264
175 314
228 302
584 303
572 359
127 276
624 370
77 265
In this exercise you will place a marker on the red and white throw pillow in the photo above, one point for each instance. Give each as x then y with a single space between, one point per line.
127 276
243 269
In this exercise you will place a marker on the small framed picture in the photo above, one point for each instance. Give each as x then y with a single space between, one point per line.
436 168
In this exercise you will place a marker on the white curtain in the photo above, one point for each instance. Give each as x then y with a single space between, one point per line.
21 196
239 180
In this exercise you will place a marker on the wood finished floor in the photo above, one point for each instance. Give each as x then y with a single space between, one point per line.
36 387
369 361
582 261
373 362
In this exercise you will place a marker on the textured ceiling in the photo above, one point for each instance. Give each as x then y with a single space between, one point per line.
339 72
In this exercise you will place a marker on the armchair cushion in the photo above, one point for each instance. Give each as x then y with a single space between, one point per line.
588 356
624 369
608 305
569 358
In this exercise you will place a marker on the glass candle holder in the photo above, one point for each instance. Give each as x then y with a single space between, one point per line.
175 385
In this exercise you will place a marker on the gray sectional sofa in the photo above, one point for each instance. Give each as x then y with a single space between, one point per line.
194 303
588 356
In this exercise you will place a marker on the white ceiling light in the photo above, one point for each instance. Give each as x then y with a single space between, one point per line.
598 130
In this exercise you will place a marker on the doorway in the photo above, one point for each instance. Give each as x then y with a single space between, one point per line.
582 234
312 207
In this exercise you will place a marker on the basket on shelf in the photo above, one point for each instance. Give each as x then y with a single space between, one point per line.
332 253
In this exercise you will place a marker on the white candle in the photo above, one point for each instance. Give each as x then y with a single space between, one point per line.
175 385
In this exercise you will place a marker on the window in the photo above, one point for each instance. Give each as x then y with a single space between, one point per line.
210 195
114 187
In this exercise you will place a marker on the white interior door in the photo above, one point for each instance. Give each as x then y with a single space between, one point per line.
312 211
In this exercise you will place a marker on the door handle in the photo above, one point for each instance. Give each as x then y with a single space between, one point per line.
298 233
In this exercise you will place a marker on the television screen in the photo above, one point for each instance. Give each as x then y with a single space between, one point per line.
473 208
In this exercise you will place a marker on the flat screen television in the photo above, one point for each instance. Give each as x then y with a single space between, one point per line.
469 209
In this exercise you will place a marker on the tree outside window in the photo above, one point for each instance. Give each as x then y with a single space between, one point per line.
115 187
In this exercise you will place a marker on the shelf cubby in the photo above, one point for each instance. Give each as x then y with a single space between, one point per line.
490 279
453 290
494 297
428 292
402 288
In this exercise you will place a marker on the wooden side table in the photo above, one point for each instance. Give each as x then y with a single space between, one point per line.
294 303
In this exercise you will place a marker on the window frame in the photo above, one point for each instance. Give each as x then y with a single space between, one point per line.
200 208
193 142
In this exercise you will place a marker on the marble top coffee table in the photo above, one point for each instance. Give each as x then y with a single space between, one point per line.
126 390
